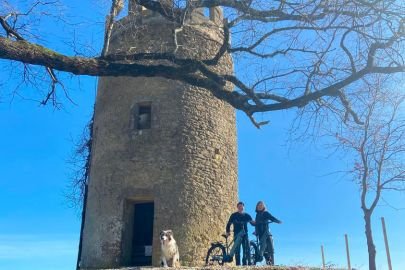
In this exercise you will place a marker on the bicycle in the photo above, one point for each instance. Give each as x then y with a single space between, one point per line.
220 253
254 248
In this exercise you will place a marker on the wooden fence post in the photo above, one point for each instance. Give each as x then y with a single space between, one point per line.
348 253
387 249
323 258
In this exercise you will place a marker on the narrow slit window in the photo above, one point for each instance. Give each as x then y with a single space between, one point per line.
144 116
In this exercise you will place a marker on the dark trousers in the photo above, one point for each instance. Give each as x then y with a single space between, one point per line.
265 245
245 252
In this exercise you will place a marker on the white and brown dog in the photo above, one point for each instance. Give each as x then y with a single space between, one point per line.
170 252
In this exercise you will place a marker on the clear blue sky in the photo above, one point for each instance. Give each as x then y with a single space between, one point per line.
38 230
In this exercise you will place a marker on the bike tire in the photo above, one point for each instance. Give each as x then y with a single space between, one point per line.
253 252
215 255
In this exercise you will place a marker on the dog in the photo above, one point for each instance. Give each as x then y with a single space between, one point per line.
170 256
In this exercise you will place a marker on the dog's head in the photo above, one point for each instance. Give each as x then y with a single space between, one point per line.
166 235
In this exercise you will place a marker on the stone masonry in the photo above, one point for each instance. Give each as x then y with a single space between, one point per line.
185 163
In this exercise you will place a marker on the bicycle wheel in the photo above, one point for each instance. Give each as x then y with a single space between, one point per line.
253 252
215 255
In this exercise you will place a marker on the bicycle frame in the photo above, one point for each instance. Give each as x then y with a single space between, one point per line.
228 249
227 246
236 242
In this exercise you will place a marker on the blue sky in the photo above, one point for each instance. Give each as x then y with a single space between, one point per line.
37 228
317 207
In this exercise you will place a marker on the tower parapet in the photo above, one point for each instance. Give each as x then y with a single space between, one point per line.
215 14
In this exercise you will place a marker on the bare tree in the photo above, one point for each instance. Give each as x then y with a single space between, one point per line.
378 148
80 167
288 54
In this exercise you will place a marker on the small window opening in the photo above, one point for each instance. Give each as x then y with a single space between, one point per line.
144 117
206 12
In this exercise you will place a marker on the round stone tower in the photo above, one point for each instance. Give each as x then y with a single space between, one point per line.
164 153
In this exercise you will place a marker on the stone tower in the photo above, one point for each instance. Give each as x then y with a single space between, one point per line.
164 152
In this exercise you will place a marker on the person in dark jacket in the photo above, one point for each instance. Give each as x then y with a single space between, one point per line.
262 229
239 220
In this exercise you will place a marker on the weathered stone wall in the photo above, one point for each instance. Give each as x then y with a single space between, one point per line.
186 163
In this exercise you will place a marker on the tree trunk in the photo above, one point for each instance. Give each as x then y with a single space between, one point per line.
370 242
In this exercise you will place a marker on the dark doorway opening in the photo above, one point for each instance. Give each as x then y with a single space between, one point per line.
138 234
143 234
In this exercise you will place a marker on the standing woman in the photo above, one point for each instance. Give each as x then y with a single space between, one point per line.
262 231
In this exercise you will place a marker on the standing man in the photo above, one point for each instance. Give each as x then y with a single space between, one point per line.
239 220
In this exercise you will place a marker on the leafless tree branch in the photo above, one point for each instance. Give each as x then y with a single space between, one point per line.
323 50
